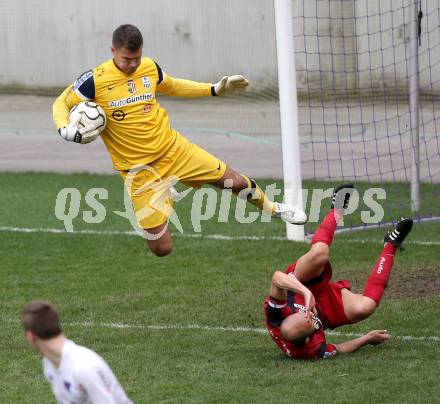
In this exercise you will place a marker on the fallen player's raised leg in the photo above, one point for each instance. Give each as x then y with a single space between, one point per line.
360 306
312 264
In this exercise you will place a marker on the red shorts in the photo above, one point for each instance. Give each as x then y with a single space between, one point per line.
328 297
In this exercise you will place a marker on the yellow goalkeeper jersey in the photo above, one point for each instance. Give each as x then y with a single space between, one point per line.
138 130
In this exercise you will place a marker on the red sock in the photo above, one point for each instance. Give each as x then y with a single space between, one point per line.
326 230
378 279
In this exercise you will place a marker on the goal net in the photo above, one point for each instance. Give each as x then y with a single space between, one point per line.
367 112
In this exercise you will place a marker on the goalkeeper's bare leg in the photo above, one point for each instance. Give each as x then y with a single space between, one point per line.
163 245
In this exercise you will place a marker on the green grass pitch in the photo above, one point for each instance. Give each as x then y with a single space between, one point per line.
187 328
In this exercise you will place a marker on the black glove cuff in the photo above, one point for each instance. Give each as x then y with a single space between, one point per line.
77 138
213 93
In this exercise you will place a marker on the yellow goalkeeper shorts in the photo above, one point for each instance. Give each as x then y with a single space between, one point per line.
149 186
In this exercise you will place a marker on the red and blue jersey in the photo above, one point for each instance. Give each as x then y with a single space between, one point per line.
315 346
330 310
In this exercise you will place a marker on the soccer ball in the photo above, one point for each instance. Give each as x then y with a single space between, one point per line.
88 114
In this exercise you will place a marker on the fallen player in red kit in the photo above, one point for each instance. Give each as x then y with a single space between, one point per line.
304 301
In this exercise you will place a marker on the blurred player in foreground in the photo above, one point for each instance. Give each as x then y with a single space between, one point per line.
76 374
146 151
303 301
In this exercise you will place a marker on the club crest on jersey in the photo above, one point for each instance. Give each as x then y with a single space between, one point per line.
146 82
99 71
131 86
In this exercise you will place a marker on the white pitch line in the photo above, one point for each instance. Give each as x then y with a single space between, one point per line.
200 236
363 241
131 233
91 324
63 231
200 327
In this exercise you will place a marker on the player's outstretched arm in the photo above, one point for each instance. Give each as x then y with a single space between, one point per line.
190 89
181 87
374 337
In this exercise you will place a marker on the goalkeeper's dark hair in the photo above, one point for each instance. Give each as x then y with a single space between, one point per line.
127 36
41 318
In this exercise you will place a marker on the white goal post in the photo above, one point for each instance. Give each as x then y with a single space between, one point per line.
288 112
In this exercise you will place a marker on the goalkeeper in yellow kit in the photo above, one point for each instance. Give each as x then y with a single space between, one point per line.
145 150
